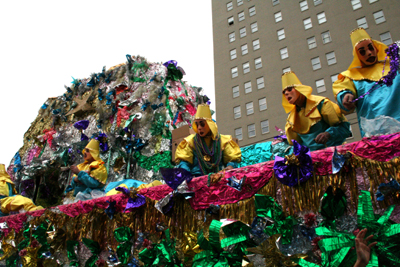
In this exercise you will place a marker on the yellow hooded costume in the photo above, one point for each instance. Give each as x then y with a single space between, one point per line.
185 154
319 115
92 175
358 80
96 168
356 72
10 202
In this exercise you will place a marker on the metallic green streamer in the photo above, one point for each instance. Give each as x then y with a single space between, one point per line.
71 244
163 253
94 247
124 236
266 206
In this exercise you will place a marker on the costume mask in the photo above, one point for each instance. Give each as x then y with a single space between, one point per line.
360 37
290 80
291 95
203 113
366 52
202 128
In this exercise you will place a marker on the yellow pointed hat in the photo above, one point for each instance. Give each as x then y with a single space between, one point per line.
289 79
94 149
358 35
204 113
4 176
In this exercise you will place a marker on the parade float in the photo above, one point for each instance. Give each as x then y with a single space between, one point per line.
284 206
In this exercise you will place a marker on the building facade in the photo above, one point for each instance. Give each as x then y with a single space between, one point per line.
255 41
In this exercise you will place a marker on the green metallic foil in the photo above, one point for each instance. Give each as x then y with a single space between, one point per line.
94 247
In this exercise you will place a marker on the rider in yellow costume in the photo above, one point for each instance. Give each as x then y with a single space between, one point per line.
10 201
313 121
207 151
91 174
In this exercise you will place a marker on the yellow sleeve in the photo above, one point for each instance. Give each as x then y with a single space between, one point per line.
331 113
231 151
290 134
98 172
184 151
343 83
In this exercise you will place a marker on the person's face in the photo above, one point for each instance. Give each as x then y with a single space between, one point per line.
366 52
291 95
202 127
87 156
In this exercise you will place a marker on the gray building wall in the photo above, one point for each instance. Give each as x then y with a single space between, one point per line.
341 19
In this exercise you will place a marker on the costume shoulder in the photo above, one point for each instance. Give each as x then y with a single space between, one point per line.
371 73
231 150
344 82
331 113
184 151
98 171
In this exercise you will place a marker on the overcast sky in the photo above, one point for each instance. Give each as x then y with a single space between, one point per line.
44 43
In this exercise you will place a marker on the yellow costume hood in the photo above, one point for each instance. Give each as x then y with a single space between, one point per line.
289 79
356 71
94 149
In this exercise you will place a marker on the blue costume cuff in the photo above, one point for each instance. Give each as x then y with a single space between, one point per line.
233 164
340 97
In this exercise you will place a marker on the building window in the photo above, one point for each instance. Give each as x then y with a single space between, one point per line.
326 37
252 11
278 16
258 63
260 83
229 6
334 78
262 103
303 5
307 23
317 2
231 37
281 34
256 44
233 53
239 2
286 70
275 2
247 87
331 58
235 91
236 112
254 27
320 85
312 43
372 1
241 16
321 17
244 49
316 63
230 21
356 4
265 127
251 130
242 32
362 23
379 17
386 38
284 53
246 67
234 72
249 108
238 133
